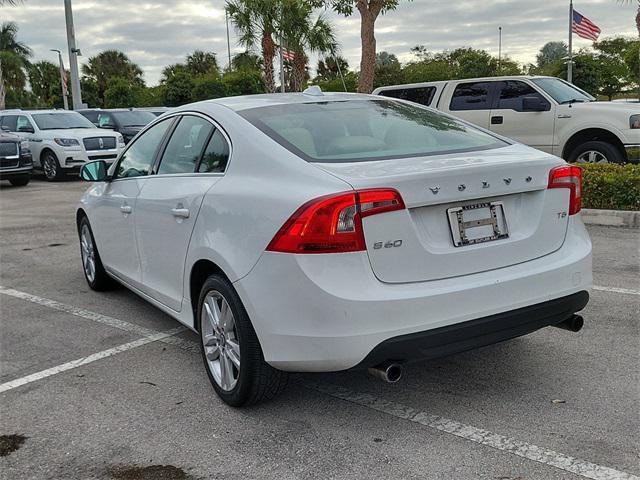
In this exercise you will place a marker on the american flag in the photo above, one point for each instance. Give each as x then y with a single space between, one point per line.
584 27
288 55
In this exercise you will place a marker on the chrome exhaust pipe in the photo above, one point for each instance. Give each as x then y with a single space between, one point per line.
389 372
574 323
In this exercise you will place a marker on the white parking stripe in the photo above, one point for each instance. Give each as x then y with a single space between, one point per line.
616 290
88 359
476 435
99 318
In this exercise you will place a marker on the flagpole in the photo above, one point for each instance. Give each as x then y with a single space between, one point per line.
570 64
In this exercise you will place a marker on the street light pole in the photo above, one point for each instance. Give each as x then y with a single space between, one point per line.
63 82
499 49
73 57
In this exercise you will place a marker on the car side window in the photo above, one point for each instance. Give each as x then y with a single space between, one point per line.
105 119
216 156
421 95
138 158
22 122
512 92
92 116
471 96
185 147
10 122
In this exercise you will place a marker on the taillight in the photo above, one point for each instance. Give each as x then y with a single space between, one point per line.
333 223
568 176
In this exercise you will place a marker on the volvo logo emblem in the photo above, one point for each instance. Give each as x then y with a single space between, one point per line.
434 190
485 185
507 181
462 187
101 143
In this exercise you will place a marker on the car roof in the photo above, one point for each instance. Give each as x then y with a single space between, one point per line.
460 80
31 112
246 102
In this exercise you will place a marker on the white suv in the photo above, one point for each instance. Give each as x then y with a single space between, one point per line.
61 141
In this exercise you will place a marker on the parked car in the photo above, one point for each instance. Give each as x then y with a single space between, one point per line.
124 121
544 112
15 159
61 141
317 232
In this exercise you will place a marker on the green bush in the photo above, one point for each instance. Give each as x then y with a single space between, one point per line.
611 187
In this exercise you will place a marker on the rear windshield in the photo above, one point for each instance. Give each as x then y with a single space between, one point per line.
364 130
55 121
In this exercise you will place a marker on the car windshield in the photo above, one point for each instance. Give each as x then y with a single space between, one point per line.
365 130
55 121
561 91
134 118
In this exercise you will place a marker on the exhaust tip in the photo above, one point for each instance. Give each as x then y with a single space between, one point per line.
389 372
573 324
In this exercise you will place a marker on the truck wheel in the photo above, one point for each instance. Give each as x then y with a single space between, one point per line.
51 166
596 152
230 348
20 181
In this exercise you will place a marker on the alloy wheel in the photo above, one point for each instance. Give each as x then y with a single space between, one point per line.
592 156
50 167
88 252
220 340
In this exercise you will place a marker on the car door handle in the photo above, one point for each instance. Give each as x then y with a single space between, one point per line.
180 212
498 120
126 209
564 115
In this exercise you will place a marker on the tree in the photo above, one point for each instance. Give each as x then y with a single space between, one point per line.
388 70
208 87
14 57
246 61
331 67
256 21
551 53
369 11
301 34
243 83
202 63
44 78
179 89
109 65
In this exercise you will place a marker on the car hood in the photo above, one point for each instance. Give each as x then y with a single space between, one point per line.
78 133
613 107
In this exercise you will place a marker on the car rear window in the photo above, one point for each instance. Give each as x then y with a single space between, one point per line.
365 130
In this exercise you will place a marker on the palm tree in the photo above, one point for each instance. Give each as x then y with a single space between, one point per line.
256 22
109 65
301 34
625 2
202 63
14 57
9 3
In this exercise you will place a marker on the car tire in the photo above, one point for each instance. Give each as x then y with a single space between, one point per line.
51 166
92 267
230 348
596 151
20 181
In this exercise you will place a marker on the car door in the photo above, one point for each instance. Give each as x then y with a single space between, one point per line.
193 161
530 122
113 220
471 101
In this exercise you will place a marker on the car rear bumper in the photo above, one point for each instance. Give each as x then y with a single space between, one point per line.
329 312
460 337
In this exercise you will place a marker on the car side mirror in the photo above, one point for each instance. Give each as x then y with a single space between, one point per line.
26 129
94 171
534 104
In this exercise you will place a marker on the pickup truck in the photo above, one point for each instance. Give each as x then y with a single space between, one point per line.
543 112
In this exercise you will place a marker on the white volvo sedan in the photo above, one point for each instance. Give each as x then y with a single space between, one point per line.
320 232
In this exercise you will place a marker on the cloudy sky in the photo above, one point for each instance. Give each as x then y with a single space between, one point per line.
157 33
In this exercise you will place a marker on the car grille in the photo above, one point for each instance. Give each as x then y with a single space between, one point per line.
9 149
99 143
9 162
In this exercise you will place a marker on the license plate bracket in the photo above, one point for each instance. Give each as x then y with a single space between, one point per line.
477 223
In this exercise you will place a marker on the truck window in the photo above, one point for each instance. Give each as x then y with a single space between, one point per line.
512 92
421 95
471 96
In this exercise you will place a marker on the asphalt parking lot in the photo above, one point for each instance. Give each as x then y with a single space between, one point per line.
105 386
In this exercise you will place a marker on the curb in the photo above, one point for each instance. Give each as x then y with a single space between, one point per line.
611 218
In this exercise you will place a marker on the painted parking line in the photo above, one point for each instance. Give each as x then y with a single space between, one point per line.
99 318
625 291
475 434
86 360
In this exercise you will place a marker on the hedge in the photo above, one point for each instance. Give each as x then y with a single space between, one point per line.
610 186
